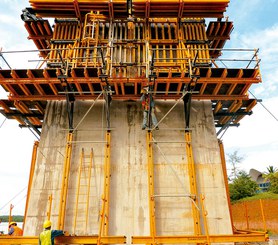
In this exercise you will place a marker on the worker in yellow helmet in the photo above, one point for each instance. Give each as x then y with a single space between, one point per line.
47 236
14 230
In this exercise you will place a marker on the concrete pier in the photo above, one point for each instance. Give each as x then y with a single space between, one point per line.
129 207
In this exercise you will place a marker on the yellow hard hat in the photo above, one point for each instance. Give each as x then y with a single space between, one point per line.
12 223
47 224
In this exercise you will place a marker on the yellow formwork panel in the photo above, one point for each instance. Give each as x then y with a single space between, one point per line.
128 48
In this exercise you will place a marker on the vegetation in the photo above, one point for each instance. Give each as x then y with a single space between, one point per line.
16 218
242 186
234 159
270 170
272 176
262 195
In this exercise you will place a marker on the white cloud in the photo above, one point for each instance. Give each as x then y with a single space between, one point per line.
16 151
256 138
14 35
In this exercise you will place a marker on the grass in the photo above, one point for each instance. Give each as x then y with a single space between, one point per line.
263 195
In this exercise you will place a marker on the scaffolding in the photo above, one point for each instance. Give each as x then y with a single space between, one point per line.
99 50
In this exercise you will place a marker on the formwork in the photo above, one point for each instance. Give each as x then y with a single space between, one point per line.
95 172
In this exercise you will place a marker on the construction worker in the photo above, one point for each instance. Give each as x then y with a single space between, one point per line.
147 102
14 230
47 236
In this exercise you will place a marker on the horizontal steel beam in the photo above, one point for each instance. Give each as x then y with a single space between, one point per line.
230 125
18 114
200 239
127 97
243 113
168 79
64 240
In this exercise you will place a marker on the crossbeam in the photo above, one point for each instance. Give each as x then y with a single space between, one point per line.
65 240
200 239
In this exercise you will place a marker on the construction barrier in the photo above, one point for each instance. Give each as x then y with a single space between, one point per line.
256 215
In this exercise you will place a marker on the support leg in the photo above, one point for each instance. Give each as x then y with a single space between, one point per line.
104 222
193 183
151 187
65 180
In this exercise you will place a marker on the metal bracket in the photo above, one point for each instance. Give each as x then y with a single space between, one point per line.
108 99
68 89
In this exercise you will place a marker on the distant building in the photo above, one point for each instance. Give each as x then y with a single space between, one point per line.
257 176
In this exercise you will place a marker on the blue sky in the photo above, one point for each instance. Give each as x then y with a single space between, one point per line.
255 26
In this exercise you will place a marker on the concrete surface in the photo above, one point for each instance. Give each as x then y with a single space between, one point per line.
129 213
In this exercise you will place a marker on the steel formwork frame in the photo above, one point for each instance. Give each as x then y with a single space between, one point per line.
121 50
107 47
198 207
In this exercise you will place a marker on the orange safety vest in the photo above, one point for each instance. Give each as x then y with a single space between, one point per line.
17 231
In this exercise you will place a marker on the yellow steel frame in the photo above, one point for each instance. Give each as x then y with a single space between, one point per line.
197 238
151 187
78 189
104 222
49 207
263 216
193 183
102 237
172 57
82 165
224 171
88 190
64 188
65 240
31 175
204 214
256 237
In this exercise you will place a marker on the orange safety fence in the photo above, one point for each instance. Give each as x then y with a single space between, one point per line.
251 215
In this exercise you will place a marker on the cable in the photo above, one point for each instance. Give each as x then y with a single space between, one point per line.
87 112
33 133
3 122
13 198
261 105
264 106
1 54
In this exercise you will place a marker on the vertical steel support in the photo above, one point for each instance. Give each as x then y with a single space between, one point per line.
49 207
78 189
193 183
65 179
246 215
89 188
263 216
205 213
31 175
10 214
104 222
151 187
224 171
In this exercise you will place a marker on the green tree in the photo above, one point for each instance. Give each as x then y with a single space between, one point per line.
270 170
242 186
272 176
